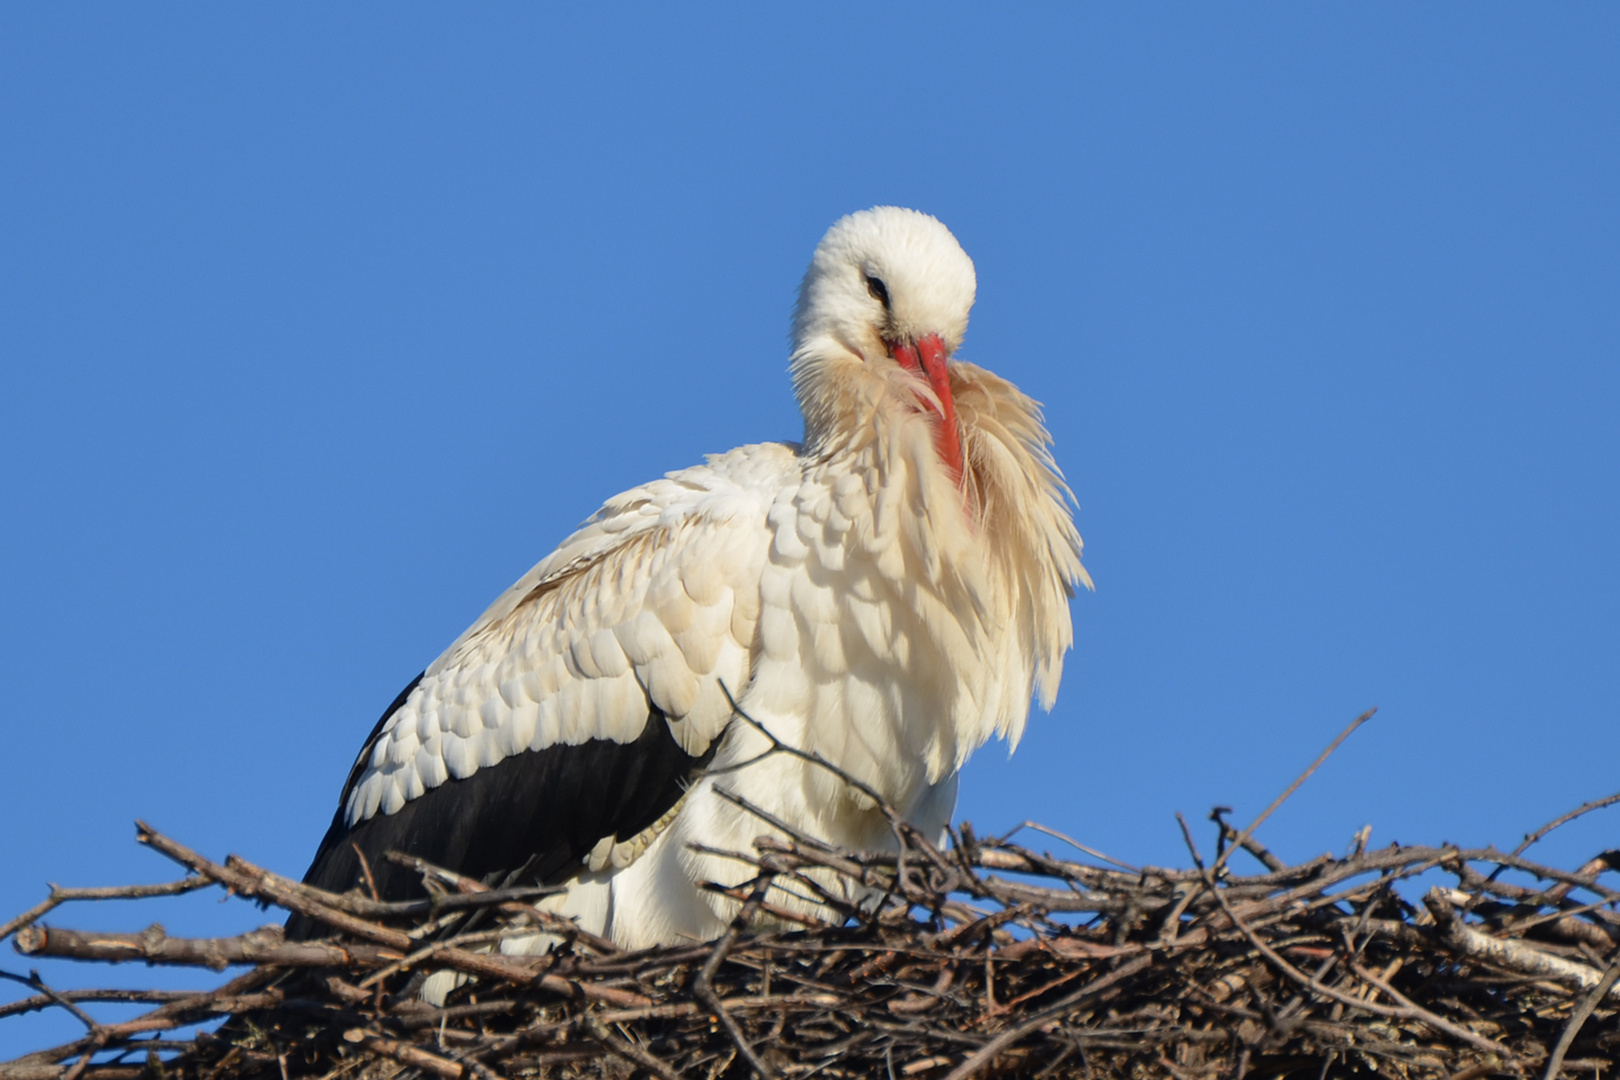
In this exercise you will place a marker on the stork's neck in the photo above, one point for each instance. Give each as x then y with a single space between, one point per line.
855 403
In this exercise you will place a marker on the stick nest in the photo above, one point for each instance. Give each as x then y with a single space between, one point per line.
984 958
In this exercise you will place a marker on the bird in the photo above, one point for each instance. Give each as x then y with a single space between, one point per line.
883 596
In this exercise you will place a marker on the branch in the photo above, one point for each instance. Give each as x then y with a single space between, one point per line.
1243 836
266 945
703 985
61 896
1565 819
1514 955
1578 1018
405 1054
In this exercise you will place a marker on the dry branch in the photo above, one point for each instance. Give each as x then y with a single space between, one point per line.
986 958
965 972
153 945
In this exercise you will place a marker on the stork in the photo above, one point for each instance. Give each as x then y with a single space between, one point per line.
888 595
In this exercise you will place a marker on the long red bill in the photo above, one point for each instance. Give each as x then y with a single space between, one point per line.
927 356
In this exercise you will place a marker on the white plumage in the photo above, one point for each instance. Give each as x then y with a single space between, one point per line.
890 594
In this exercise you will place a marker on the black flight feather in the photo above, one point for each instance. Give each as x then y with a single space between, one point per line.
540 811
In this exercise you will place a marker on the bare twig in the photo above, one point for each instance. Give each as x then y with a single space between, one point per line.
1504 952
981 1058
153 945
777 746
1304 776
624 1048
61 896
41 1001
406 1054
1555 1062
1077 845
703 986
470 892
1565 819
1405 1009
34 982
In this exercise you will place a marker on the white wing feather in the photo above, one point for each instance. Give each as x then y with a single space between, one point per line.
655 597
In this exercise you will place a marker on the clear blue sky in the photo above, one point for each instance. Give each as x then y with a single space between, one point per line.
319 325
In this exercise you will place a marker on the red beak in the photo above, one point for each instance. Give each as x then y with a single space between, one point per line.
927 357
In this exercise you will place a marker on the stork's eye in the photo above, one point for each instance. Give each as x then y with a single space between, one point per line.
879 291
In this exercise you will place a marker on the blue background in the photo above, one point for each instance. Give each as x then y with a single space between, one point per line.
319 326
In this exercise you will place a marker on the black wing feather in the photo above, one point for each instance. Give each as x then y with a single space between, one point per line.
540 811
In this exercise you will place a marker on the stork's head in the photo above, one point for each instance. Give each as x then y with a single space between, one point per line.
888 290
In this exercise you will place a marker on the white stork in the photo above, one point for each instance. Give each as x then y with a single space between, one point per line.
888 594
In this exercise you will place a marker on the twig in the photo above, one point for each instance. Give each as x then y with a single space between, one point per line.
1514 955
248 880
1406 1009
153 945
1555 1062
1279 800
61 896
406 1054
628 1050
703 986
982 1057
1077 845
1247 843
474 893
41 1001
1565 819
778 746
365 870
34 982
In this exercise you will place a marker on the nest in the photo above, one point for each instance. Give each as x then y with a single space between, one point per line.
981 958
